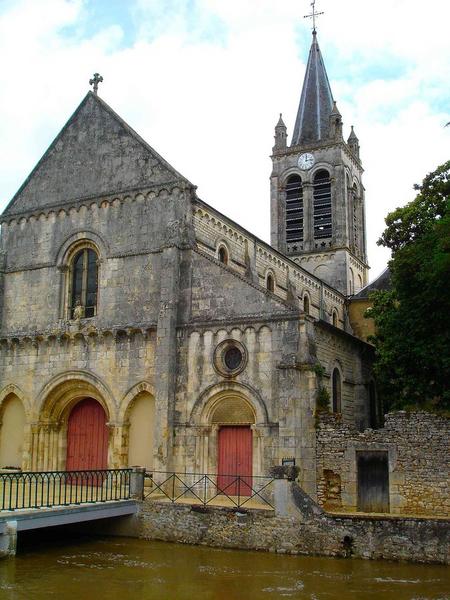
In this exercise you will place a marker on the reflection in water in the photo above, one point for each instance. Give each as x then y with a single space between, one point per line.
129 569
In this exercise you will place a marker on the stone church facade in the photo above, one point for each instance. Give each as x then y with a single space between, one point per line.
141 326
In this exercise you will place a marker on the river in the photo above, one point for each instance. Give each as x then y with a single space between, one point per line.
130 569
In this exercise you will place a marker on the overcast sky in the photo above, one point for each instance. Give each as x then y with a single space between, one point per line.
203 81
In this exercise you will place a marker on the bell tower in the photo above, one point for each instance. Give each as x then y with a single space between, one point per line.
317 196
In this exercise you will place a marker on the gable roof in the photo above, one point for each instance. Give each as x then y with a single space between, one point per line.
96 153
316 101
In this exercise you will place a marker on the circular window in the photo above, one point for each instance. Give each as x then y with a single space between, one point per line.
230 358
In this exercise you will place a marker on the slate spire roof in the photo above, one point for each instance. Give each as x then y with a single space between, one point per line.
316 101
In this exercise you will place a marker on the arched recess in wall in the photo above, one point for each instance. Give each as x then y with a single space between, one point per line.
359 283
12 432
351 282
206 403
322 272
141 419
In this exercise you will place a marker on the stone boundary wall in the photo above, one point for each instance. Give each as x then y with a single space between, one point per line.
307 532
419 462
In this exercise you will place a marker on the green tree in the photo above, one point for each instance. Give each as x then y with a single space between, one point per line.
412 320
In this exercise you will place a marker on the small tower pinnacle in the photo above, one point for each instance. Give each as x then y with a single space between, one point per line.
280 135
335 123
353 142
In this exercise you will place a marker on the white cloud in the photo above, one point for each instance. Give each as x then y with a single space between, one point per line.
206 94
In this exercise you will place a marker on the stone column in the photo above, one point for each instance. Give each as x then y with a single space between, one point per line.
34 444
165 359
114 445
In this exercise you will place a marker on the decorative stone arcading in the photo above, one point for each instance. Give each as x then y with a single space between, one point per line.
63 209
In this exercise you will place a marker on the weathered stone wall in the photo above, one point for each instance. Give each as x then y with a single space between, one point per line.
339 350
417 540
128 233
251 258
419 462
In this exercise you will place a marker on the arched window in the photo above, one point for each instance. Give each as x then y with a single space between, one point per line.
223 255
322 205
294 210
306 304
84 284
270 283
335 318
336 391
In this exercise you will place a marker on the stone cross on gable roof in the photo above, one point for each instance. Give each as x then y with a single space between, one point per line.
313 15
95 81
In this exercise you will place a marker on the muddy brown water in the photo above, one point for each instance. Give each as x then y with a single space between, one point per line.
130 569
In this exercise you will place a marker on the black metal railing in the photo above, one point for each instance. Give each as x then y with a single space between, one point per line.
210 489
21 490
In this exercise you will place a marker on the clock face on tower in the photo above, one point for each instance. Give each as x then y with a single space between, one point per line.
306 161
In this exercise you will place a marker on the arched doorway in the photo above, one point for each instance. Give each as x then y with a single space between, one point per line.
12 425
142 422
234 417
87 437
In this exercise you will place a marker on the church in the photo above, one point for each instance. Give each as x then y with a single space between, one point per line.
140 326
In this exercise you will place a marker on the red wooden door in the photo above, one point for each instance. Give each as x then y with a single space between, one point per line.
235 459
87 437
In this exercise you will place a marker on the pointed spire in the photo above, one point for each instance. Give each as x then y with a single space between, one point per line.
353 142
316 101
280 135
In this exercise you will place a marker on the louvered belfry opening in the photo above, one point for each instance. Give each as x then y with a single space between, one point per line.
322 205
294 210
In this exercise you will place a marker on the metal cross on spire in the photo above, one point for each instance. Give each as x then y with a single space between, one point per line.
313 15
95 81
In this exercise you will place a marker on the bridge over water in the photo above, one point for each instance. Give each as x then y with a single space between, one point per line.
48 499
35 500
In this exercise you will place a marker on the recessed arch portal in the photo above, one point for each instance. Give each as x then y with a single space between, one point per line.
69 402
230 419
